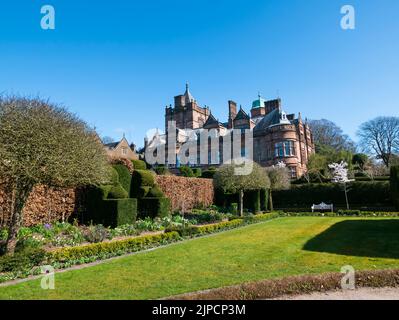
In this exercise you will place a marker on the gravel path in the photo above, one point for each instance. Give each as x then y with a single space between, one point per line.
359 294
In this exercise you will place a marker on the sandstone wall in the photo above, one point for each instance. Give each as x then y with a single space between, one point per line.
186 193
45 205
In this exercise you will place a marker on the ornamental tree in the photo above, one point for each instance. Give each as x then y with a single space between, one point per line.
229 179
42 143
340 175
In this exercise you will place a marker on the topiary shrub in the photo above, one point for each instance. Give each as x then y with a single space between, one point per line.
143 192
125 178
156 192
117 192
113 176
139 165
112 212
141 178
154 207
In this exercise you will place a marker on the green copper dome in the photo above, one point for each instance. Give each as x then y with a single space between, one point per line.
260 102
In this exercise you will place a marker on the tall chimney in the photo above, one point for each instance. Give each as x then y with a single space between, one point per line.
232 113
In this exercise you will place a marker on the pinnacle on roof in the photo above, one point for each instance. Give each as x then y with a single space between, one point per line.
187 95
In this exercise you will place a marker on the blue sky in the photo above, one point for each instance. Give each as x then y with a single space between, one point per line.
117 64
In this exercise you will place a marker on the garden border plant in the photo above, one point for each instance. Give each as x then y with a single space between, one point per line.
70 256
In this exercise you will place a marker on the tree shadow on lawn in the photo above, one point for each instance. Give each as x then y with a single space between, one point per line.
362 238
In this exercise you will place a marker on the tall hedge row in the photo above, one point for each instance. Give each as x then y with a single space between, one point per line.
395 185
361 194
254 201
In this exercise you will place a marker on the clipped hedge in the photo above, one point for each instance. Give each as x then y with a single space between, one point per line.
141 178
154 207
361 194
254 201
104 250
341 213
139 165
395 185
117 192
196 231
125 178
111 212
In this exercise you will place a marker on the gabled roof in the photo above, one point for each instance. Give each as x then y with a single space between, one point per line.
211 121
242 115
111 145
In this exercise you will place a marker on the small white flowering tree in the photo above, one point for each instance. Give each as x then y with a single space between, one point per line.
340 175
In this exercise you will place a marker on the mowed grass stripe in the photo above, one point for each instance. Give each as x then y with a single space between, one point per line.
262 251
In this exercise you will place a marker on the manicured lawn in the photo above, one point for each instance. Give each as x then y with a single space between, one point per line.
278 248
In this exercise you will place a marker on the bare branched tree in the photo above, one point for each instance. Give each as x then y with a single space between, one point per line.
41 143
380 137
327 133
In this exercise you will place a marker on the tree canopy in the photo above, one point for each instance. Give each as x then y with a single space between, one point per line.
42 143
380 137
327 134
227 180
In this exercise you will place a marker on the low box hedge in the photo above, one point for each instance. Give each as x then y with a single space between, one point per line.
104 250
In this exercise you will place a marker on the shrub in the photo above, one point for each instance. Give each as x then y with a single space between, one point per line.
139 165
141 178
197 172
114 176
162 170
156 192
191 231
117 192
22 261
208 174
125 178
98 251
186 172
395 185
96 234
143 192
234 208
154 207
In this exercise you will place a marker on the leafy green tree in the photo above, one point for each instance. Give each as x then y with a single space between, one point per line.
41 143
228 179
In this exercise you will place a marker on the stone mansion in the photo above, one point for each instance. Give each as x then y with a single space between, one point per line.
277 136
